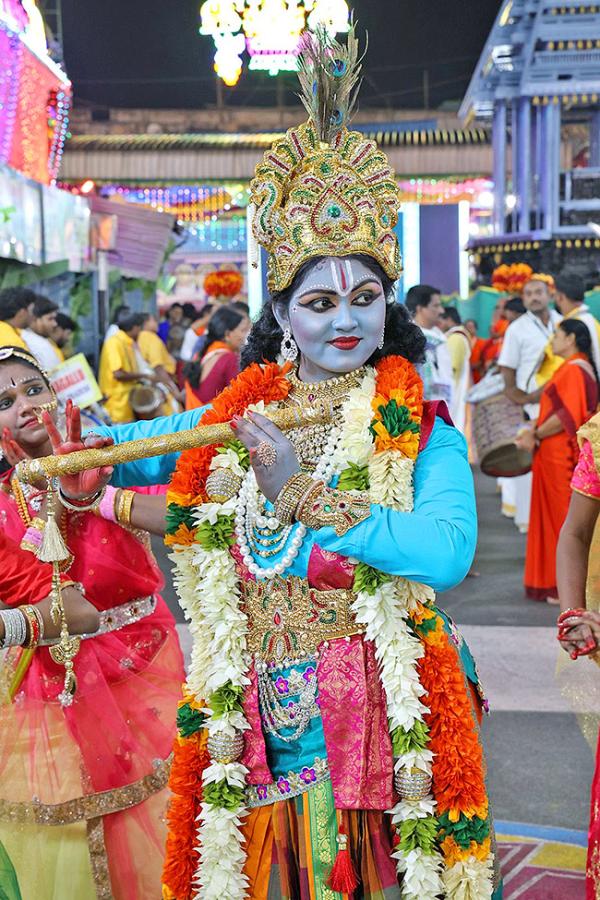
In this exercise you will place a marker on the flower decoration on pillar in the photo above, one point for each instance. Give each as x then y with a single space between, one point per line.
223 284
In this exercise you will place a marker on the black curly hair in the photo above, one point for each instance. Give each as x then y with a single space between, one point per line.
402 337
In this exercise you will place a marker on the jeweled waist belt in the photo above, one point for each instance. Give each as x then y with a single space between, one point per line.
116 618
287 619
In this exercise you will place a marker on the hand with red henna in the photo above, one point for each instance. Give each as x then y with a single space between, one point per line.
11 451
579 632
88 483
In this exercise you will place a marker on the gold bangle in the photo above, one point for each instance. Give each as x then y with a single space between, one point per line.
290 496
36 626
125 503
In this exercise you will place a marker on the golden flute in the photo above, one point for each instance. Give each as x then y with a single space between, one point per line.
32 470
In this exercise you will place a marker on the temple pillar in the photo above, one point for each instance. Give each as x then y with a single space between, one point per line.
499 137
523 166
551 169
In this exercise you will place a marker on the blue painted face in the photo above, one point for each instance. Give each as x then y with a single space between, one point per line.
336 315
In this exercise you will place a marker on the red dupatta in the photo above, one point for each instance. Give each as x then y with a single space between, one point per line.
571 394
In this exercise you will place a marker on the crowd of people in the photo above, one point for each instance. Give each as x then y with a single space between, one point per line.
544 345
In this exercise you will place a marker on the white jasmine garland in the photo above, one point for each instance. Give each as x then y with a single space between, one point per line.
207 583
422 874
227 459
356 443
233 773
469 879
221 841
208 586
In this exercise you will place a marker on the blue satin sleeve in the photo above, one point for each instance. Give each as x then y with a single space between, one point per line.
434 544
158 469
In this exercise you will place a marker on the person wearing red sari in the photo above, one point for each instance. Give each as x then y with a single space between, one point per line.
219 362
568 400
83 776
578 568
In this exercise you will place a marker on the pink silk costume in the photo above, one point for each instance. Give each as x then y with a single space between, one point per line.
586 481
83 788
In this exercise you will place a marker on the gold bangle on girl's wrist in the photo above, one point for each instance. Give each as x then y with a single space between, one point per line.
123 507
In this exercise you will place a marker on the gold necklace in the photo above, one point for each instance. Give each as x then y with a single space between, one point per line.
332 390
21 502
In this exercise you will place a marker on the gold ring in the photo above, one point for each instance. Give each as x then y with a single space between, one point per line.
266 454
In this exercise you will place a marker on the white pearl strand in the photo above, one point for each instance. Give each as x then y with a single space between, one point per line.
247 513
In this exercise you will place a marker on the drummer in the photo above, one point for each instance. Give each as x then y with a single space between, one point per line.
119 369
519 359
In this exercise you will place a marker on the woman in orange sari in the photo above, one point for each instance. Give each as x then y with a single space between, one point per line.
569 399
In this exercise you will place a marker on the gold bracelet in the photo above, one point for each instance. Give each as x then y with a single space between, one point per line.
340 510
36 626
124 504
290 495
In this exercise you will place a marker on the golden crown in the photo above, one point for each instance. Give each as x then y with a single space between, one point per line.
324 190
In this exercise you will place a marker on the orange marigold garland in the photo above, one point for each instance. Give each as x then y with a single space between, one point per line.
458 767
253 385
190 759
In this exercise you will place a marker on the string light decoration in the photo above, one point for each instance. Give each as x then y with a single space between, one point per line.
58 127
34 95
269 30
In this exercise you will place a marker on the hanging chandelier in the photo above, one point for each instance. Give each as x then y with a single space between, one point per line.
269 30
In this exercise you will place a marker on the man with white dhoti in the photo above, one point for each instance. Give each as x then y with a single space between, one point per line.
519 361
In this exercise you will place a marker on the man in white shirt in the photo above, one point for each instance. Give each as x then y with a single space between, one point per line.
38 336
424 304
520 357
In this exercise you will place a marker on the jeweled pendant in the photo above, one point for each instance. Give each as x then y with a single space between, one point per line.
222 485
412 784
225 748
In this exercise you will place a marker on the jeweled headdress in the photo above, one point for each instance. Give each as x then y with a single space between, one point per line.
324 190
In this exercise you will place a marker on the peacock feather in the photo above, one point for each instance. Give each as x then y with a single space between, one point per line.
329 74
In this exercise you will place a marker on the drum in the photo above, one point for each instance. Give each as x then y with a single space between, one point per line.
146 401
496 422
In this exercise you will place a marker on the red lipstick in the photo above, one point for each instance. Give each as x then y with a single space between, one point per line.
345 343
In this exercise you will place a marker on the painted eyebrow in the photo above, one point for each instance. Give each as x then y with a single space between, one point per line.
332 291
13 387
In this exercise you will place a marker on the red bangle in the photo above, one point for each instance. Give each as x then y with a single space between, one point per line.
574 611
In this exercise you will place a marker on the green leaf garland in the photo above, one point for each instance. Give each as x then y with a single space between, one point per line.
419 834
354 478
396 420
223 795
189 720
368 579
179 515
410 741
226 699
465 830
219 536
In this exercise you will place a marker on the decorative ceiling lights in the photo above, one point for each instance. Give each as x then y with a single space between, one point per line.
268 29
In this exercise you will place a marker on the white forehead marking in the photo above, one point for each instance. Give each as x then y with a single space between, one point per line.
338 275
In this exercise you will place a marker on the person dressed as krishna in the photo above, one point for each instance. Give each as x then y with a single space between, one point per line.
328 742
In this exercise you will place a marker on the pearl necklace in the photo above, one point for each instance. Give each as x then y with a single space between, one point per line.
247 514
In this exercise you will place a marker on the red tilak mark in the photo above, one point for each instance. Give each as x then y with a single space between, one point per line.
343 277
